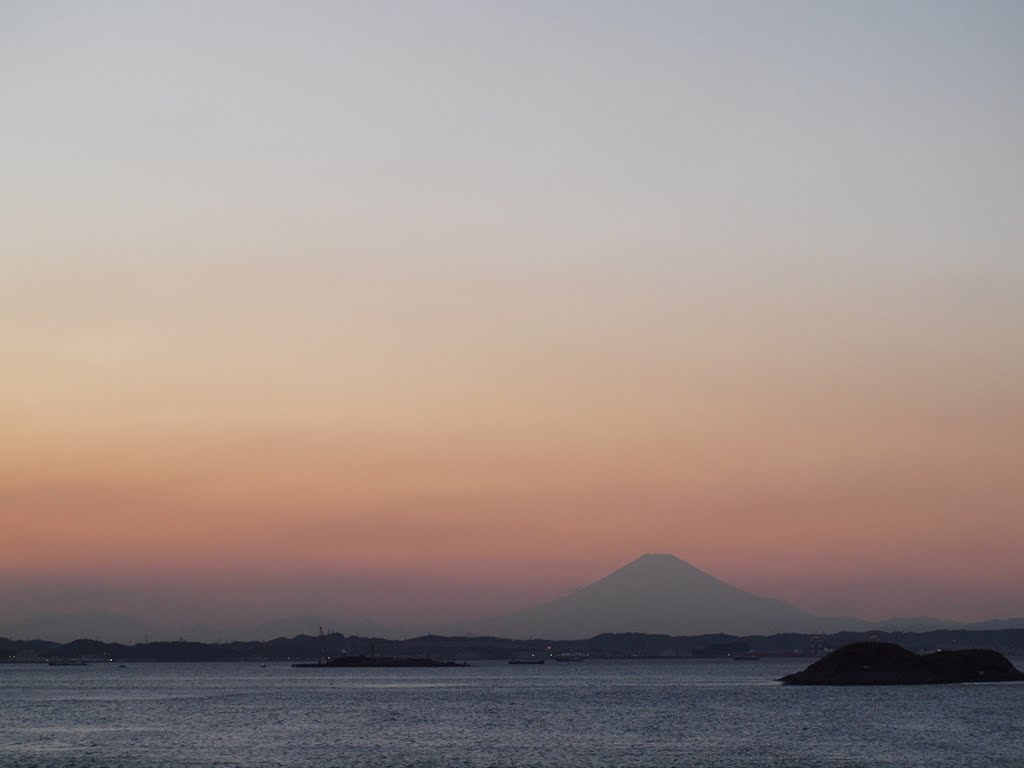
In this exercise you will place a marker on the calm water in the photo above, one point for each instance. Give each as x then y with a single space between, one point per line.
596 713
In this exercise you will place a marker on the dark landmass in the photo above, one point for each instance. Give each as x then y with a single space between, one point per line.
462 648
378 661
890 664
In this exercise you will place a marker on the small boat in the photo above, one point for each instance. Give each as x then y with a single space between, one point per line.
67 662
570 657
748 656
526 661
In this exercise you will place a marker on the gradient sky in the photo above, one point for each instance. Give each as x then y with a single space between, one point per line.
415 311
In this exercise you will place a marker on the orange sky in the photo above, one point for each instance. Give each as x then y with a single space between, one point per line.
279 428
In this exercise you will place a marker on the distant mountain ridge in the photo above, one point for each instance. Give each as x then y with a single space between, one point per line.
660 594
654 594
117 628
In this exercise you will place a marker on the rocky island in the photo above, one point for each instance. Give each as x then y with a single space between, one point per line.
890 664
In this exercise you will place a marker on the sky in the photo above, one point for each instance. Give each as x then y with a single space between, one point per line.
416 311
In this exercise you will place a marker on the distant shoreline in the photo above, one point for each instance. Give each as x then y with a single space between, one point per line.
300 648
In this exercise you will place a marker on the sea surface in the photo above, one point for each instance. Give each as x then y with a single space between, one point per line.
699 713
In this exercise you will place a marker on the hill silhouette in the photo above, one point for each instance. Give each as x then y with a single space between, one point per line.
874 663
657 594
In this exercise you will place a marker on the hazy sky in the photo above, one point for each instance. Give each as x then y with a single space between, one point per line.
435 309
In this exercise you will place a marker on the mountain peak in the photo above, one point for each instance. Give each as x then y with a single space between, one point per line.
659 594
666 564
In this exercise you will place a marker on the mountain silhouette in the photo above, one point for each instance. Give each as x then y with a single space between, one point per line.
656 594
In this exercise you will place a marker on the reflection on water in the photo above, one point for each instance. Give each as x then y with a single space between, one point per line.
599 713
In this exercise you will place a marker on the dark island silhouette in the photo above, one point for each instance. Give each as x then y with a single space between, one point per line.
873 663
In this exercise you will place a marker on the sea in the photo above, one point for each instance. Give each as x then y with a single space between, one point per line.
702 713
